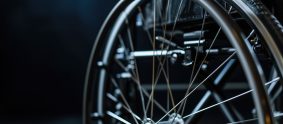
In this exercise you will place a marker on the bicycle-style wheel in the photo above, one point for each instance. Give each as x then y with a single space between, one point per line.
169 61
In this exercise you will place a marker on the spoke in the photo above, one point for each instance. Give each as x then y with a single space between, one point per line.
161 17
143 19
136 69
214 39
123 45
194 65
198 86
277 94
129 36
145 92
168 102
127 56
254 119
166 16
167 82
192 79
156 103
159 58
131 112
122 42
177 17
274 90
111 97
169 91
251 34
153 58
169 43
150 37
166 75
153 44
120 64
153 87
117 117
232 98
161 69
124 99
147 95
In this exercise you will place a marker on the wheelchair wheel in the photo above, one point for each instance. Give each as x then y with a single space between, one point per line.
179 61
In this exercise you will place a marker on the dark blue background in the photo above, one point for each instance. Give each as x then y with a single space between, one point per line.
44 48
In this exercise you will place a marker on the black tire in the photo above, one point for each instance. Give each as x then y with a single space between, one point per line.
265 23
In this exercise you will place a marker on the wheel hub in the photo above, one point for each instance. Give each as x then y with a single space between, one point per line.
176 119
148 121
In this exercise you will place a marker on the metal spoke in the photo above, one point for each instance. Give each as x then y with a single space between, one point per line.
161 17
136 68
156 103
113 115
143 90
123 98
153 58
166 16
127 56
147 95
177 17
133 114
182 107
192 79
181 101
168 84
158 58
161 69
232 98
111 97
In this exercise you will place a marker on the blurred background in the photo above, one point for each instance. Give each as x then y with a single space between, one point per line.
44 48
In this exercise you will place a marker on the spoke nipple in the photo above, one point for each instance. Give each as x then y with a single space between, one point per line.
173 58
97 116
176 119
101 64
148 121
204 66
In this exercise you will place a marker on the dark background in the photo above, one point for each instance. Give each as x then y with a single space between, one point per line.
44 48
